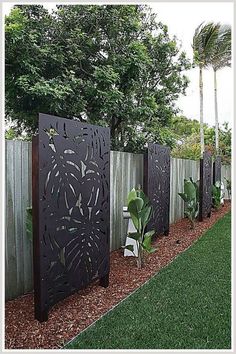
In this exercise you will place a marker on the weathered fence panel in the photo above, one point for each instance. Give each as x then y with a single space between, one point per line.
225 173
126 172
180 169
18 246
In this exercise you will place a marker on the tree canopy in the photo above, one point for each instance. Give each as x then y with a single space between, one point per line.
221 56
186 142
111 65
204 43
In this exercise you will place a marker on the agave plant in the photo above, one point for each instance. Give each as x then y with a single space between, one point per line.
191 199
140 212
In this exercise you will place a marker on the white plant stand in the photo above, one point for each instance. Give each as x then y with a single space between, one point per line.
129 241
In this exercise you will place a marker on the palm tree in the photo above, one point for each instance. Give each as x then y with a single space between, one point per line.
221 58
204 41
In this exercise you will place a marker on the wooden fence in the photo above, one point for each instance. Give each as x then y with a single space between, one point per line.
18 246
126 173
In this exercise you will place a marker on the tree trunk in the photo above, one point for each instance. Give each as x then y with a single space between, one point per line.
192 225
115 130
113 133
201 111
216 115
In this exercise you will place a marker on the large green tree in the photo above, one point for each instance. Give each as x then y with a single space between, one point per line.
110 65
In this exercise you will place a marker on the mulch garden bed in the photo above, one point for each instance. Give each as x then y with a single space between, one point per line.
74 314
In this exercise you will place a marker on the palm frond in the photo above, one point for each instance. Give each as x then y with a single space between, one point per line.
222 53
204 41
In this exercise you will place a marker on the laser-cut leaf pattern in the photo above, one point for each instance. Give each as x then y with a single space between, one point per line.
205 186
217 169
158 186
74 206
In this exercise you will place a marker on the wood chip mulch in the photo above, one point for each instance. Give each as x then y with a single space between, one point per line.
74 314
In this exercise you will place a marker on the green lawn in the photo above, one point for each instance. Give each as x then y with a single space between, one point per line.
186 305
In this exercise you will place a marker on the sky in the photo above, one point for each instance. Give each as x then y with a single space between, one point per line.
182 19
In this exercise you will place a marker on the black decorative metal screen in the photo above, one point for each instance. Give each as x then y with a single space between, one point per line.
71 209
205 196
217 170
157 186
